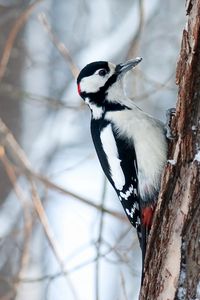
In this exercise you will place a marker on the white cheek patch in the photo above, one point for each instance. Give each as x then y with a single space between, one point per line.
110 148
92 84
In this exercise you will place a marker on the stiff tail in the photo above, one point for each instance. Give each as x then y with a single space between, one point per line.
146 221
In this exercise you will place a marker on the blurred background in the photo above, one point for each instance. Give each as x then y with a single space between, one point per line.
63 233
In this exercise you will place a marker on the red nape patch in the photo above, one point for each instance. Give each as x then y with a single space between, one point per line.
147 215
79 89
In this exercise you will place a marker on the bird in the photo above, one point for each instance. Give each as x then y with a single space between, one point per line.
131 144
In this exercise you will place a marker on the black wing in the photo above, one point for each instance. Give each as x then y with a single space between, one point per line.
118 161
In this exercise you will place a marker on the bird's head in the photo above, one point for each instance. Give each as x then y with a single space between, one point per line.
100 82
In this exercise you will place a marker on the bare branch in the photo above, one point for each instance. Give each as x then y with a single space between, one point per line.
26 213
53 103
59 45
99 240
52 185
157 86
123 286
76 268
42 217
19 23
24 167
135 42
50 236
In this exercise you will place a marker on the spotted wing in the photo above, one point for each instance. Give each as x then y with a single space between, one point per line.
118 160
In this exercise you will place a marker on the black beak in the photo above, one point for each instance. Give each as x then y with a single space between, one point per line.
123 68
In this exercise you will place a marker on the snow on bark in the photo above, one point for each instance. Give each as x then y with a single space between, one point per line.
197 156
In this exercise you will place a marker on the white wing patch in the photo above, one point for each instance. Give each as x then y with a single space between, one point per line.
110 148
127 193
132 211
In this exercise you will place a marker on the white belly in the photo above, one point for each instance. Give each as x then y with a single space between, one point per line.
150 144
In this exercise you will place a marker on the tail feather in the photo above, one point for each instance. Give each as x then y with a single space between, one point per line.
146 221
143 244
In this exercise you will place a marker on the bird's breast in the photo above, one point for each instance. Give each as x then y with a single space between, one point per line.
148 138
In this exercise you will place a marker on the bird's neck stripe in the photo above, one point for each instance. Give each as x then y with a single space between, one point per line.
99 111
115 106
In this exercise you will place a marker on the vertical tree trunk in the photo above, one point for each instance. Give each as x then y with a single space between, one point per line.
172 266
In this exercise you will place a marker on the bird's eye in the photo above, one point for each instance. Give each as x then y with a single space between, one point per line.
102 72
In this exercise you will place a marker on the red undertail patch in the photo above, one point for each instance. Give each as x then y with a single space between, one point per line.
147 215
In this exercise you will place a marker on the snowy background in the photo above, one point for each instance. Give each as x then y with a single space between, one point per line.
97 254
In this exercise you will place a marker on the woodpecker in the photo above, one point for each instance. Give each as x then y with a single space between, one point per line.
130 144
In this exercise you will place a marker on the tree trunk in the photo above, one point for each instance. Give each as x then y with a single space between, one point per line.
172 266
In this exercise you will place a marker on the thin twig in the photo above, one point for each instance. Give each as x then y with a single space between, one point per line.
76 268
26 213
123 286
7 140
19 23
59 45
98 244
49 234
42 217
8 296
64 191
156 83
53 103
24 166
135 42
158 86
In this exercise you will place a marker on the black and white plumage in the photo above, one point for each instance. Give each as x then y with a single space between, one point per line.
130 144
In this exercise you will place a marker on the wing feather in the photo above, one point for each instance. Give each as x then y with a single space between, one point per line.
110 148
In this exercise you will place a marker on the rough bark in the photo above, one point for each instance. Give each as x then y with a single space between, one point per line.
172 266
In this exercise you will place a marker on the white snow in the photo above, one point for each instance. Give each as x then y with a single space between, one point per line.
181 289
197 156
194 127
198 291
172 162
181 293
